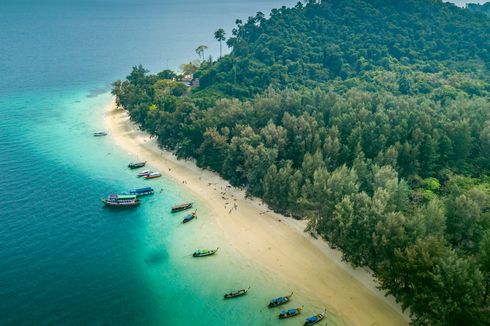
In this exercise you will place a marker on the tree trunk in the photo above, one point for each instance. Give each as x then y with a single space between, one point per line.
485 295
220 49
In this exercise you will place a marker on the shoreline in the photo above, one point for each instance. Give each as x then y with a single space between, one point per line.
274 242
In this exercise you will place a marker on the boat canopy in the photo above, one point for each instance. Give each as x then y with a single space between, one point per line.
312 319
122 197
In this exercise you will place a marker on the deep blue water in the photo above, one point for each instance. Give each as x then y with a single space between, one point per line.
63 258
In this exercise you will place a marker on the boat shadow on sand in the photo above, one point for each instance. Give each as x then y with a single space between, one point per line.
157 257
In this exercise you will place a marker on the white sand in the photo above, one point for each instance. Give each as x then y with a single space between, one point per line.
274 242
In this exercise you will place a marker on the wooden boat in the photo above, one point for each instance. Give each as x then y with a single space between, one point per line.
141 191
280 301
190 217
204 252
136 165
100 133
235 294
121 201
290 313
144 173
153 175
315 319
181 207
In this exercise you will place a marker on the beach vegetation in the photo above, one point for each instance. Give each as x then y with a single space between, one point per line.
368 118
200 51
219 35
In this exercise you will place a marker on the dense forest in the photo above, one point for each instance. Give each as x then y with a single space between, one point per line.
484 8
423 41
369 118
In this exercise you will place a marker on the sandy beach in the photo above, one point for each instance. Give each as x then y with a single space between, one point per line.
274 242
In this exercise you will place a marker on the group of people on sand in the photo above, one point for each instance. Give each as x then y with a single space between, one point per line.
235 206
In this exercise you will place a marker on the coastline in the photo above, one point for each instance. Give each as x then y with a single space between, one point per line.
274 242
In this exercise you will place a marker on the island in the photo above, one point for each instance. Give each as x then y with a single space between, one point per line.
366 123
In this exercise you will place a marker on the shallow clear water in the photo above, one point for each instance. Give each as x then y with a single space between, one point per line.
64 259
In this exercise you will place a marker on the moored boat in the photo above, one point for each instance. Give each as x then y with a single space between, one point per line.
315 319
280 301
121 201
190 217
153 175
141 191
144 173
181 207
136 165
204 252
290 313
237 293
100 133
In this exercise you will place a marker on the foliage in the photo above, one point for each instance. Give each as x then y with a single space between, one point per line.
369 118
484 8
413 43
190 68
200 51
219 35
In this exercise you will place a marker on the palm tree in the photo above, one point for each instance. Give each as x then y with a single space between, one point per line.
219 35
200 51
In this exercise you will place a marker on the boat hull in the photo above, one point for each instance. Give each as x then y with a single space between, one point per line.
189 218
277 304
133 166
141 192
204 254
121 201
287 316
235 295
152 176
121 205
280 301
319 319
181 208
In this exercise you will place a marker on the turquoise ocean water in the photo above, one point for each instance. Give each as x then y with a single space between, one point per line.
64 260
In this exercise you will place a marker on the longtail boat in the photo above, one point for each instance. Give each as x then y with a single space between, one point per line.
121 201
290 313
144 173
235 294
204 252
280 301
100 133
136 165
153 175
181 207
140 191
315 319
190 217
